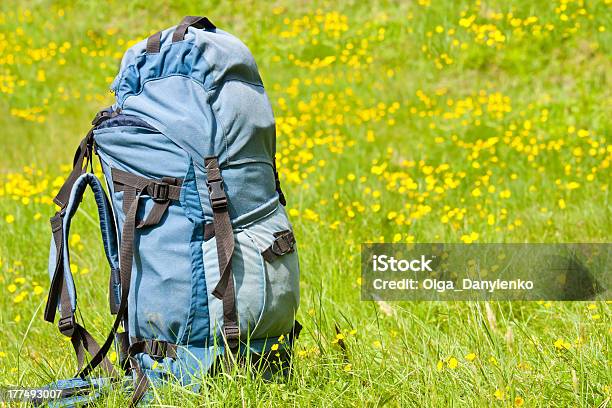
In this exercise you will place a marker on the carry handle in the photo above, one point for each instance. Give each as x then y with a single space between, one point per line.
191 21
154 41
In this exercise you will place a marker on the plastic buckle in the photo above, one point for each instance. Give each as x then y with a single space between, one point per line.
218 199
283 243
158 349
66 325
160 191
232 336
57 221
100 117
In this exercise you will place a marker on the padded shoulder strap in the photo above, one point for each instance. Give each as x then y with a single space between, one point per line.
60 265
62 289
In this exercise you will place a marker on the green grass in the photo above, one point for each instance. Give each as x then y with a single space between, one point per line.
441 121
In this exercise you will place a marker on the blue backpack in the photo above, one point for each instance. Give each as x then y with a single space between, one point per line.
203 261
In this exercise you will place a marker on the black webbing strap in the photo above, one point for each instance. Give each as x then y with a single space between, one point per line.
284 243
225 249
156 349
281 195
126 255
162 191
158 191
154 43
82 157
141 382
191 21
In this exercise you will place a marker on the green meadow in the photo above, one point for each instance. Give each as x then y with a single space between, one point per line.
397 121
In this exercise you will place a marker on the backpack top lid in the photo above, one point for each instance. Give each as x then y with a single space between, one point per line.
200 87
208 55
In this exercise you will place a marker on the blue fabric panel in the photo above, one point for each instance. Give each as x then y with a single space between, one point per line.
178 107
282 277
244 113
165 299
267 294
198 320
141 151
199 133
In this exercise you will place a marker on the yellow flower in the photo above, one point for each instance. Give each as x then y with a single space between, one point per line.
499 394
440 365
274 347
519 401
74 239
561 344
470 356
561 203
452 363
9 219
19 297
348 367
